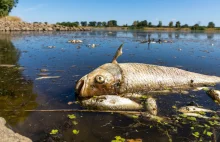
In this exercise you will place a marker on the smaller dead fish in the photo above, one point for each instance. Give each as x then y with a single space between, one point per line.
149 116
111 102
43 74
44 70
214 94
151 106
190 109
6 65
197 115
75 41
47 77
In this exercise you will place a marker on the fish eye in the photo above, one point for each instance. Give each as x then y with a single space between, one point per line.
100 79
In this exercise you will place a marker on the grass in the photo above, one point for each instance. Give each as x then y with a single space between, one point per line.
12 18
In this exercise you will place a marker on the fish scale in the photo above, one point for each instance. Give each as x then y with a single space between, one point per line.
144 77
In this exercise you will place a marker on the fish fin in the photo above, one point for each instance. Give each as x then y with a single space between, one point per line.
117 54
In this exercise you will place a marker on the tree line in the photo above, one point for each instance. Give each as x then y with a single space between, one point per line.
140 24
111 23
136 24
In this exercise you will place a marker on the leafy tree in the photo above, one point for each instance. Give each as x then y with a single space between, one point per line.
171 24
150 24
92 23
99 24
84 23
135 23
6 6
211 25
197 27
104 24
178 24
185 26
142 23
160 24
112 23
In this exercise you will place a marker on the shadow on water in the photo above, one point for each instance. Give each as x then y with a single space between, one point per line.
16 92
197 52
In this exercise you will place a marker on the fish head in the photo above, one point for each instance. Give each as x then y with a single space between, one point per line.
104 80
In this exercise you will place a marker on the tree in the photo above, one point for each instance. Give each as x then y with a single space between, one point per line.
104 24
92 23
99 24
211 25
84 23
150 24
6 6
112 23
142 23
135 23
178 24
185 26
160 24
171 24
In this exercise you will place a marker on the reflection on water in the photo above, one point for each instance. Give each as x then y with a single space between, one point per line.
197 52
16 92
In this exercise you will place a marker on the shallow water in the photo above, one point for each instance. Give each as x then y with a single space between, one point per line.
19 91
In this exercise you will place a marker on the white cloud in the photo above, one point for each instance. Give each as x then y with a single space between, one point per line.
174 19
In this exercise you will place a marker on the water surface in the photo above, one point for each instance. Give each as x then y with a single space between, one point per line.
19 91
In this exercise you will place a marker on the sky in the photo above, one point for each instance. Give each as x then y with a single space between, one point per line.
124 11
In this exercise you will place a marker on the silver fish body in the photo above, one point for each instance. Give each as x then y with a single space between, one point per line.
111 102
215 94
124 78
192 109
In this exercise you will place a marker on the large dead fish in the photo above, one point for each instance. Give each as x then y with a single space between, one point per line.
121 78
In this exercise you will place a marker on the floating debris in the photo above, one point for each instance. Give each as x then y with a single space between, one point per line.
75 41
47 77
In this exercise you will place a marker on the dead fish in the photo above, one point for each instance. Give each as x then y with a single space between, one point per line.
43 74
111 102
121 78
75 41
151 106
149 116
214 94
7 65
196 115
51 47
189 109
47 77
44 70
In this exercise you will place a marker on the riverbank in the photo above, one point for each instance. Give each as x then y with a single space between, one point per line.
9 25
7 135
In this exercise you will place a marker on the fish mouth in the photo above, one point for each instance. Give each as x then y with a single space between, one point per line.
80 86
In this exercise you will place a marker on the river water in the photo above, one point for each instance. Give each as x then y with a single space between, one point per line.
20 91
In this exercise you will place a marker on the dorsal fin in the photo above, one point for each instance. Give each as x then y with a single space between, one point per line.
117 54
